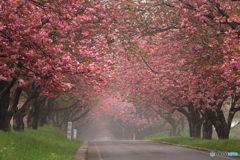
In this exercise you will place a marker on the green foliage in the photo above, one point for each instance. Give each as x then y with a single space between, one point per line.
46 143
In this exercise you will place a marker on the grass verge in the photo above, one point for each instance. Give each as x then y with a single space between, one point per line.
228 145
46 143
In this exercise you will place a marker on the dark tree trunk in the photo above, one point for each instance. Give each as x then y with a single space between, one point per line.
18 124
218 119
33 115
4 104
221 126
220 129
33 118
194 120
45 111
14 103
42 120
195 129
43 116
229 122
207 129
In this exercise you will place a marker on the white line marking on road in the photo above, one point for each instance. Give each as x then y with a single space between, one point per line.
98 152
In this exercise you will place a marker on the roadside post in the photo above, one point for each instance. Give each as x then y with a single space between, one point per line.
75 133
69 131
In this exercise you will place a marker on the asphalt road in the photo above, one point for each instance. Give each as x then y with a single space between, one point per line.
145 150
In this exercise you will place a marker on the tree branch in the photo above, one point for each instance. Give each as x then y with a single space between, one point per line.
82 115
61 109
148 65
8 87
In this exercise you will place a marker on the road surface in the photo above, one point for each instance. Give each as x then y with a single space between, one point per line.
145 150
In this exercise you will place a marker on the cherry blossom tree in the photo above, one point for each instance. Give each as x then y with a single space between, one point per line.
206 32
44 42
213 29
162 56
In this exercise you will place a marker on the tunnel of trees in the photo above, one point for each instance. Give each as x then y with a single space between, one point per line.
144 64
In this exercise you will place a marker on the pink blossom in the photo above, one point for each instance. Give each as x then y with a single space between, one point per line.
21 83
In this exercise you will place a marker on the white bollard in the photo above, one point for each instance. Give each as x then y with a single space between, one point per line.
75 133
69 131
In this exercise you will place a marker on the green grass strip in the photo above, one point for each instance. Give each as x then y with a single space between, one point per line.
46 143
228 145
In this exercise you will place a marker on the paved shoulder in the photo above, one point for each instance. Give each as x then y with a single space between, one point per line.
145 150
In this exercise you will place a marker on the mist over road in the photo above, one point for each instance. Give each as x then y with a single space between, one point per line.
145 150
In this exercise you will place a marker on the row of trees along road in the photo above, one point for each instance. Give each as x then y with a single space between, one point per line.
170 56
180 55
47 49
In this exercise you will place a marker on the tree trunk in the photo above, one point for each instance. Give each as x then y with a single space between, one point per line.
18 124
13 107
4 104
175 130
42 117
42 120
33 91
218 119
194 120
221 126
195 129
207 129
33 115
45 111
